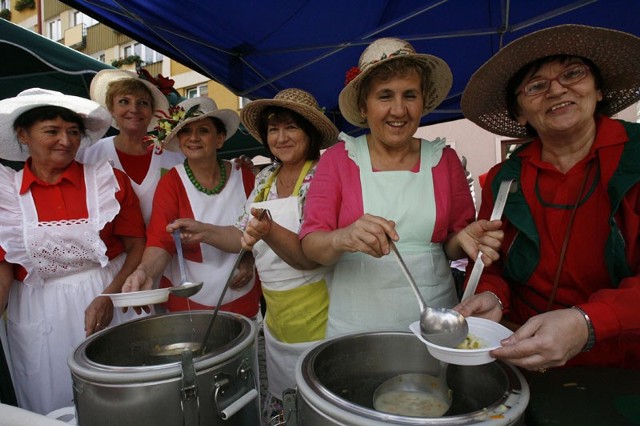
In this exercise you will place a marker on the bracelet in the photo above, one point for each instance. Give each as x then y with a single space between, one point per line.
497 298
591 340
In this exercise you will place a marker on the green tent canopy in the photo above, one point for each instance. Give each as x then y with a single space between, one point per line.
241 143
31 60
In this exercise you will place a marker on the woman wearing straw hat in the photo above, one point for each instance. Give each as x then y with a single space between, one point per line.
569 278
134 104
203 193
293 129
388 184
73 231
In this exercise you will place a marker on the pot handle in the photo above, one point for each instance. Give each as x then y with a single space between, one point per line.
237 405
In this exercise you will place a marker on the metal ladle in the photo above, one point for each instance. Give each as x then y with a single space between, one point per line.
441 326
186 288
226 286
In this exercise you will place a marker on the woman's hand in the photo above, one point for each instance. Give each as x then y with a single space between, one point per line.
137 281
258 227
243 161
245 273
546 340
484 305
481 235
98 315
369 234
191 231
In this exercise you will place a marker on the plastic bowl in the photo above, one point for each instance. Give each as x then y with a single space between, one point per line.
139 298
488 332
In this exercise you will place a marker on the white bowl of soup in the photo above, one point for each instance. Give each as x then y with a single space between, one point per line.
484 336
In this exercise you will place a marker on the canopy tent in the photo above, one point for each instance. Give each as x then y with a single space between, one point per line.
257 48
31 60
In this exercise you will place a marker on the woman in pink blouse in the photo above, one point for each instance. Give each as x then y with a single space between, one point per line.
388 184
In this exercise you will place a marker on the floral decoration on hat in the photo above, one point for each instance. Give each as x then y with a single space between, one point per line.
383 50
190 109
167 121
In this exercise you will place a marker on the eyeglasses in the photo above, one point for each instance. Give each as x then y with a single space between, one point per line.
567 77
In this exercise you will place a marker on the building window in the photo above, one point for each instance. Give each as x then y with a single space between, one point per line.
5 4
201 90
147 55
102 58
54 29
81 18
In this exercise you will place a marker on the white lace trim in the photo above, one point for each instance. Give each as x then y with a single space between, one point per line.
13 226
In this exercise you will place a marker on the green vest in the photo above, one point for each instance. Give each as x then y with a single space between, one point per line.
524 254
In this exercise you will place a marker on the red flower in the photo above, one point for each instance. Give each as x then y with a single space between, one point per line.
165 84
351 74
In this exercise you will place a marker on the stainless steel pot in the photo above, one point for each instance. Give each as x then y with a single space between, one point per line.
336 381
118 380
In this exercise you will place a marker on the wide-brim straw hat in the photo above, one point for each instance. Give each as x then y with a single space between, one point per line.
96 118
204 107
296 100
385 50
100 86
615 53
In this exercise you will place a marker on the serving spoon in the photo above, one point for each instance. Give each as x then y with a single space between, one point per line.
440 326
186 288
506 187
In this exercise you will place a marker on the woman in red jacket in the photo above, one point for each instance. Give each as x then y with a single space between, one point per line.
569 274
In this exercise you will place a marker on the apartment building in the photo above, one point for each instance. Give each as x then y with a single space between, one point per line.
61 23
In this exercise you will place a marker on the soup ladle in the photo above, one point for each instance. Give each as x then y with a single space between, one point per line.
440 326
186 288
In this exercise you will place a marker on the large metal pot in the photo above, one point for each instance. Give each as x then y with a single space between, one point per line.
336 381
119 380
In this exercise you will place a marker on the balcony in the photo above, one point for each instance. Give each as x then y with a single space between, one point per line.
75 37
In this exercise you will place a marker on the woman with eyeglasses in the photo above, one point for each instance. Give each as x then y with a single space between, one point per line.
568 278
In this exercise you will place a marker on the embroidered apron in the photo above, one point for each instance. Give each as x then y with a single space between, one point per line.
67 268
370 294
221 209
297 301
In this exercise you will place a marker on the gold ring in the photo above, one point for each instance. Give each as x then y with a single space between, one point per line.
542 370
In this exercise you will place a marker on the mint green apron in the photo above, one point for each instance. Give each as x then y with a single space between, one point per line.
371 294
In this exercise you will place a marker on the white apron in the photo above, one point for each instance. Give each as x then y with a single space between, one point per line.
371 294
67 268
222 209
297 300
160 164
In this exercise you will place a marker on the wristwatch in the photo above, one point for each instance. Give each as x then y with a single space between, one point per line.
591 340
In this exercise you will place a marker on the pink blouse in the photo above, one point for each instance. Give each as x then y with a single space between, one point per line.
334 200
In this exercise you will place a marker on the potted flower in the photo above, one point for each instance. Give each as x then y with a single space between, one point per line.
25 4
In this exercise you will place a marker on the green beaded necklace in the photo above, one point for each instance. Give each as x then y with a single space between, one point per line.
219 187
